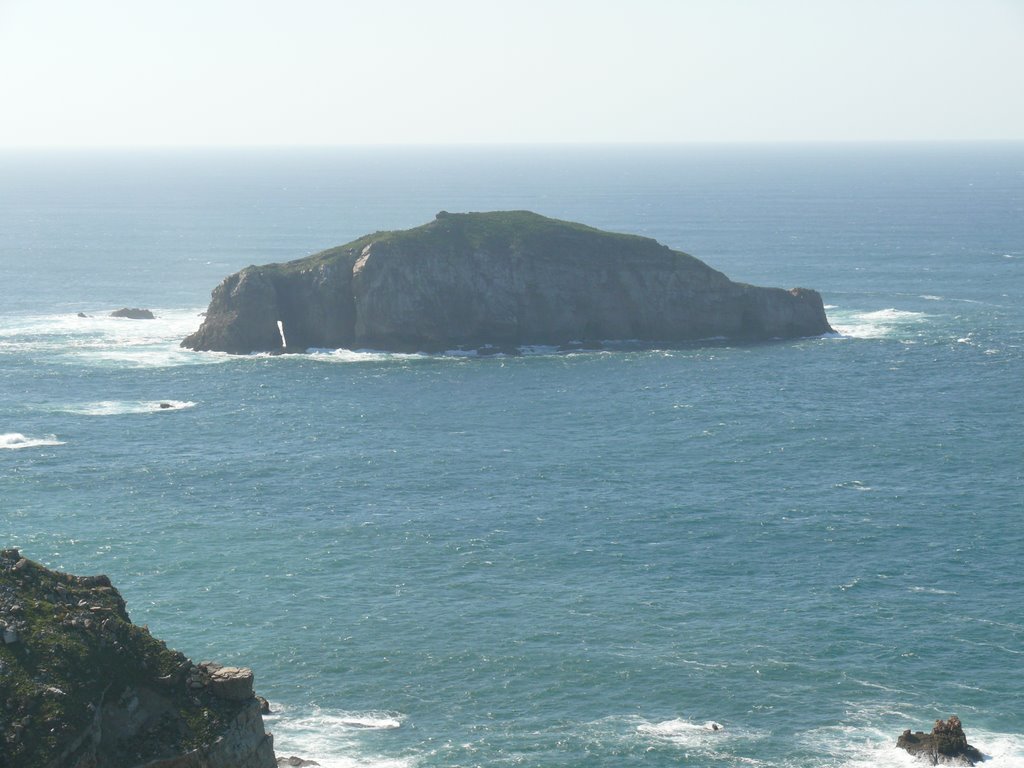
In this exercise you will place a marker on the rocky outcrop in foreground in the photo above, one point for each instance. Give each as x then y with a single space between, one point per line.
501 279
83 687
946 744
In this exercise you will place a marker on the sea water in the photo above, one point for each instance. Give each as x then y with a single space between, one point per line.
552 559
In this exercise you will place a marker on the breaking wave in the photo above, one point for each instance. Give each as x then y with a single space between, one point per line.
122 407
338 739
877 324
98 339
16 440
849 746
678 729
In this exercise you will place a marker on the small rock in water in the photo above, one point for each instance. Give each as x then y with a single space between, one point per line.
946 744
133 313
166 405
296 761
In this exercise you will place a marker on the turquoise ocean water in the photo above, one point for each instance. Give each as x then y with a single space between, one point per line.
550 559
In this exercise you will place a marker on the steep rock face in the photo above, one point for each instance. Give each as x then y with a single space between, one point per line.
83 687
503 278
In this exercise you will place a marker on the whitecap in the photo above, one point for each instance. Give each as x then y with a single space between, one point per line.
548 349
16 440
700 739
849 746
893 314
337 739
103 340
876 324
124 407
322 354
854 485
877 686
379 722
679 730
932 591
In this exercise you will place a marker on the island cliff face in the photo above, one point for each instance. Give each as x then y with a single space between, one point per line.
83 687
504 279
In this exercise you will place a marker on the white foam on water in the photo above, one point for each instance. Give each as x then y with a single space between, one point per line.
854 485
690 733
1002 750
547 349
932 591
124 407
878 324
337 739
855 747
359 355
103 340
700 739
15 441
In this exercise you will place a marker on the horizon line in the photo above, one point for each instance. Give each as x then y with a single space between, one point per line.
506 144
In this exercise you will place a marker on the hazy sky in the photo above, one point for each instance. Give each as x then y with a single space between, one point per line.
249 72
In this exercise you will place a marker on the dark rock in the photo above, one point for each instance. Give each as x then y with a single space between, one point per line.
165 405
82 314
295 761
495 280
133 313
264 706
112 694
946 744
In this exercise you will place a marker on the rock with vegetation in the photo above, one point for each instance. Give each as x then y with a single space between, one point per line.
83 687
498 280
946 744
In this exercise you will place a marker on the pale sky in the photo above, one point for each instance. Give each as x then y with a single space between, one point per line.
337 72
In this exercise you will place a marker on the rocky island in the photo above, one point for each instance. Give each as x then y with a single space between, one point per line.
945 745
83 687
500 279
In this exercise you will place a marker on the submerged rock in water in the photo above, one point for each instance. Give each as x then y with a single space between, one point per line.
134 313
494 281
83 686
946 744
